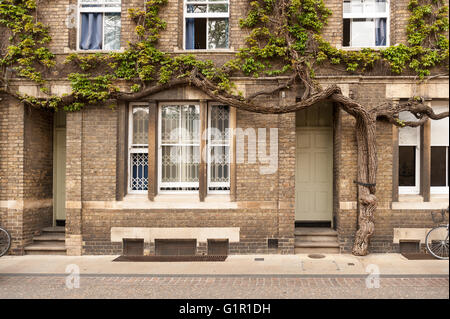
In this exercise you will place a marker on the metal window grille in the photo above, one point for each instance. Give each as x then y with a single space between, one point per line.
179 148
138 148
219 149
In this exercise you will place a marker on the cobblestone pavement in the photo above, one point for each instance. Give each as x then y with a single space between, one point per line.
229 287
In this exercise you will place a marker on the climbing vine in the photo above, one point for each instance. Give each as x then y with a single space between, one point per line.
285 38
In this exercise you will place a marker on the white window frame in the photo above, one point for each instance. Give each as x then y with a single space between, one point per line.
135 148
209 147
413 189
102 8
370 15
206 15
174 184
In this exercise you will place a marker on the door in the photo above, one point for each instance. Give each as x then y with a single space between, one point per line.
314 174
59 167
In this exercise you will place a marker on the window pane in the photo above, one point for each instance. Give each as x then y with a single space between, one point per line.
380 6
346 37
170 121
196 33
380 32
439 128
218 33
407 166
347 6
356 6
408 135
218 8
196 8
369 6
220 117
190 124
139 171
170 170
219 167
140 125
438 165
91 31
190 160
112 31
363 32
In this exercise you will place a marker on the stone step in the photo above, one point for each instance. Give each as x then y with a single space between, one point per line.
50 237
317 250
314 231
312 244
49 248
312 238
310 247
54 229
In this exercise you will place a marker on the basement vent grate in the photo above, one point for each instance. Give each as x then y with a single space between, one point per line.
170 258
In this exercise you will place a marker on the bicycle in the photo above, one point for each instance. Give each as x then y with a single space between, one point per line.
5 241
437 238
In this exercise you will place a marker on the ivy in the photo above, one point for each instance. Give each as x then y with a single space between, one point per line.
268 51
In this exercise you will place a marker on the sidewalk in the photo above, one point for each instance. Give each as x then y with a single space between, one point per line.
332 264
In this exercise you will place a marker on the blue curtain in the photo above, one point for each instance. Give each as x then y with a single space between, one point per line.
380 33
91 31
190 30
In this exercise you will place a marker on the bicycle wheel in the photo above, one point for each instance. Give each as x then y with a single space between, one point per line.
5 241
437 242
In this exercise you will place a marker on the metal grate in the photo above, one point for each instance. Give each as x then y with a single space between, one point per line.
170 258
175 247
133 247
218 247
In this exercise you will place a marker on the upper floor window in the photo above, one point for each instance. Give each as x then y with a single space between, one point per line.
206 24
99 26
366 23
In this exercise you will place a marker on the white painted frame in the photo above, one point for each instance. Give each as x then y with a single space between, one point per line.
102 8
135 148
160 184
371 15
206 15
208 146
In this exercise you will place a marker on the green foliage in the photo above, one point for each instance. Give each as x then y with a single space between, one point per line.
28 39
269 49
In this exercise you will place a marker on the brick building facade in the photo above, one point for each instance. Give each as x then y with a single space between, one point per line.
256 212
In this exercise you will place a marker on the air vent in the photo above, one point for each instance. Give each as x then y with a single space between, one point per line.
133 247
218 247
272 243
175 247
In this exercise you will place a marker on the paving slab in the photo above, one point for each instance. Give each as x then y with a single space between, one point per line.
301 264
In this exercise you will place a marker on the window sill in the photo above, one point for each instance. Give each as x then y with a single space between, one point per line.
415 202
68 50
361 48
208 51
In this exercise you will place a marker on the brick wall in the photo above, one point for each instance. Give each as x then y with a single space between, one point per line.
25 171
